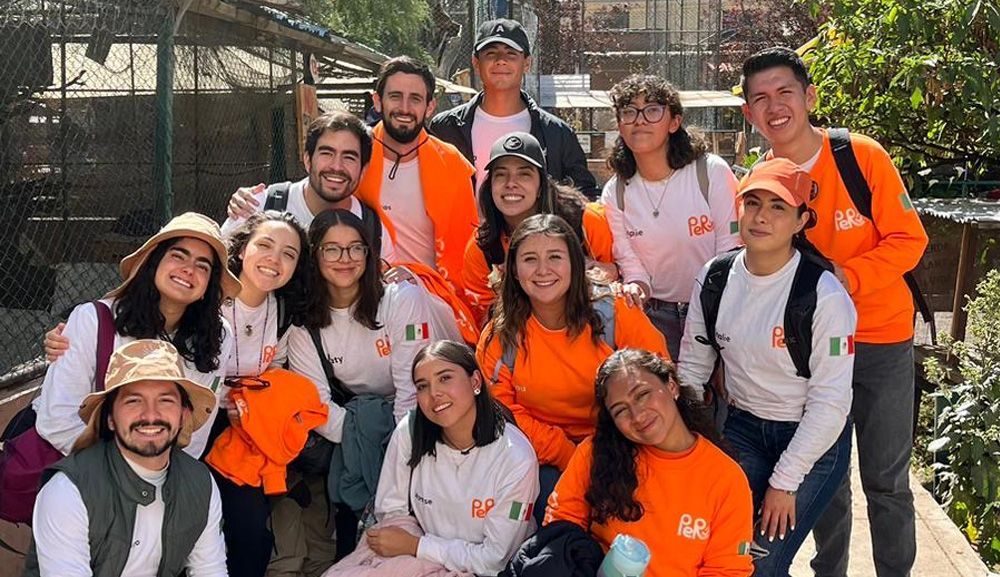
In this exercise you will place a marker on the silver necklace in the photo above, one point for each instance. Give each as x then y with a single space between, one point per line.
656 209
249 331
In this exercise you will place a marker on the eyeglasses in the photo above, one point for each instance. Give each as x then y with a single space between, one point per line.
652 113
335 253
251 383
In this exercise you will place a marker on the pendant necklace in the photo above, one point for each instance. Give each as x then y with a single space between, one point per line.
249 331
656 209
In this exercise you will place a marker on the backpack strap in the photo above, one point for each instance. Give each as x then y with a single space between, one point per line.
701 165
276 196
711 295
105 343
338 393
508 356
373 224
861 196
284 319
620 193
799 311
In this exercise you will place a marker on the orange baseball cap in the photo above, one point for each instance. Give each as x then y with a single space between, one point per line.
782 177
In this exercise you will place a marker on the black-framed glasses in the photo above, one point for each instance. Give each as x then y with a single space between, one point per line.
335 253
251 383
653 113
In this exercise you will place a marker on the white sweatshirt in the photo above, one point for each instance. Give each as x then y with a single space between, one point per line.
60 529
71 378
367 361
475 509
759 372
297 207
253 353
668 251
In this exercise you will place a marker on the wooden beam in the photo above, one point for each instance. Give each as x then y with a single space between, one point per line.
965 282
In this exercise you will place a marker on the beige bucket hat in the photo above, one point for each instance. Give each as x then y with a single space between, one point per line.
145 360
189 224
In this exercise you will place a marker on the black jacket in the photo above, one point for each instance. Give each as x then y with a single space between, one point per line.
561 549
563 155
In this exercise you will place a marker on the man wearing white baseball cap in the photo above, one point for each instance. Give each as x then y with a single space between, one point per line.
128 501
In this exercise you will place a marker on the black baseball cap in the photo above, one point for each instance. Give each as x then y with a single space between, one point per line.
521 145
509 32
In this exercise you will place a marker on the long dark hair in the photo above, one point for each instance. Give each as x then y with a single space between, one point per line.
613 477
553 198
372 289
513 308
294 292
199 334
804 245
491 418
685 145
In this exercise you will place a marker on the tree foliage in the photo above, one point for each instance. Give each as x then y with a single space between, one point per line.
393 28
919 76
749 26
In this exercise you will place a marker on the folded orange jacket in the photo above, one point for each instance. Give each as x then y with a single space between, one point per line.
275 421
437 285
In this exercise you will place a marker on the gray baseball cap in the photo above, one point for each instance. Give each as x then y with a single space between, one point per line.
521 145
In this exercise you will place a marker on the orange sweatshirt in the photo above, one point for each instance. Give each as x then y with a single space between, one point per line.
552 392
446 180
440 288
476 272
874 256
274 424
698 510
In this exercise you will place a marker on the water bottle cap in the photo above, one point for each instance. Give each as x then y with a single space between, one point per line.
631 555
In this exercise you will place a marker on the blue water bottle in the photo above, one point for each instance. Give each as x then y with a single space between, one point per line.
628 557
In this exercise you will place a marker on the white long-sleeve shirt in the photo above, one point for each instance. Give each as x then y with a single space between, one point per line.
71 378
60 529
668 250
365 360
475 508
759 372
298 208
253 353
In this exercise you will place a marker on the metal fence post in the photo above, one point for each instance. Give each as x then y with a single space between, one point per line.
163 135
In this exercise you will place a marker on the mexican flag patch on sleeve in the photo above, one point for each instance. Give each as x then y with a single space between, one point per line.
417 332
520 511
841 346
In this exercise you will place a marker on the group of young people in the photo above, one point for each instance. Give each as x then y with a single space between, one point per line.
493 348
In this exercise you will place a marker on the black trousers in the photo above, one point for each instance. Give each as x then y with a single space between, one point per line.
249 541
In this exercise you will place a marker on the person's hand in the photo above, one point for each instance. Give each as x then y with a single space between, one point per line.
56 344
230 407
841 276
608 271
392 541
243 203
398 274
636 293
777 514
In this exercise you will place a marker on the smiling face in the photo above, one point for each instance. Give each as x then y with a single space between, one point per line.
146 418
515 183
446 393
270 256
778 105
544 270
644 408
183 274
768 223
644 136
343 273
335 166
501 67
404 106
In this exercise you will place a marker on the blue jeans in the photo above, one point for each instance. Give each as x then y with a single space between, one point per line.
759 444
668 318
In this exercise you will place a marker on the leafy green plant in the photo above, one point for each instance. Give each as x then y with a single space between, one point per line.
969 425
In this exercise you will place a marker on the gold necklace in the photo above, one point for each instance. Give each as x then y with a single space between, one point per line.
642 183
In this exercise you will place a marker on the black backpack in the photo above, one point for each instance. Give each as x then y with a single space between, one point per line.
276 198
861 196
798 310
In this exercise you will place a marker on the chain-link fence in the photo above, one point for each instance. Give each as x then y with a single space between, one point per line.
101 139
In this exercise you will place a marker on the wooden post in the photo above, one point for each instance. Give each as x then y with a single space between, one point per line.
965 282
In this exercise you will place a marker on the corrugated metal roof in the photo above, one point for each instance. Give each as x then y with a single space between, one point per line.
689 98
977 212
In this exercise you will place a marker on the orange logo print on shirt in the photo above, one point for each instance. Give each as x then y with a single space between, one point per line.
481 508
847 219
698 226
778 338
383 347
270 352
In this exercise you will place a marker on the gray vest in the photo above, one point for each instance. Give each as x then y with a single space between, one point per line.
111 491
